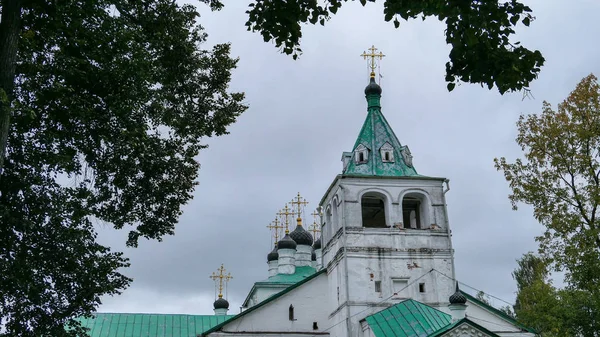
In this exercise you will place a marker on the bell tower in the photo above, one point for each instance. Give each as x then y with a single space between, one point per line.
385 234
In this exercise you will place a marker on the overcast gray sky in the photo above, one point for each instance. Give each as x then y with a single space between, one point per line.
303 114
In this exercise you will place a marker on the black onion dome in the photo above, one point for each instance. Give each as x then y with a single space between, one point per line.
273 255
458 297
301 236
373 88
317 244
221 303
286 243
313 256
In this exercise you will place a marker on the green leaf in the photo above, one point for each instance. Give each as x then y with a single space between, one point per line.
451 86
396 23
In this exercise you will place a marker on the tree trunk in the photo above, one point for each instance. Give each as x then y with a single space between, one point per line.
10 26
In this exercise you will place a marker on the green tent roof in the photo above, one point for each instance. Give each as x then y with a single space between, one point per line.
408 319
150 325
375 133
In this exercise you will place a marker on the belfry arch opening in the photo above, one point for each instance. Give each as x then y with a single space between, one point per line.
373 210
414 211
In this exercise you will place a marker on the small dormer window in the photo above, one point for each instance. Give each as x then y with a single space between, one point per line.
387 153
361 154
407 156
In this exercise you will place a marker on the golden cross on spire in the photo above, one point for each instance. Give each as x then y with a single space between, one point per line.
275 226
285 212
298 202
222 277
373 55
315 226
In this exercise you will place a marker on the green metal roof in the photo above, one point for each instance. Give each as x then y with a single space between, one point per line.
300 274
374 134
408 319
150 325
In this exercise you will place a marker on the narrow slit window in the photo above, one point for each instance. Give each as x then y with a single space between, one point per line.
421 287
377 286
291 313
387 156
361 157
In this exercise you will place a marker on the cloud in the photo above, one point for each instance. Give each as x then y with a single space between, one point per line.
303 114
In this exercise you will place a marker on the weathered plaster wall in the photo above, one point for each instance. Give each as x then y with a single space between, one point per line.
310 305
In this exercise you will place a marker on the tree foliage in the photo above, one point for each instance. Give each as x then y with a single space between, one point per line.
109 103
478 31
560 177
550 311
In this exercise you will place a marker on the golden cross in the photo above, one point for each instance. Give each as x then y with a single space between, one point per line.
372 55
275 227
315 226
298 202
285 212
222 278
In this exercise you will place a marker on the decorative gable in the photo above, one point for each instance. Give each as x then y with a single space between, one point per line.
387 153
406 156
361 154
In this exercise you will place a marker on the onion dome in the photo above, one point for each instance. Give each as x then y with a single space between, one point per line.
221 303
317 244
458 297
286 243
313 256
301 236
273 255
373 88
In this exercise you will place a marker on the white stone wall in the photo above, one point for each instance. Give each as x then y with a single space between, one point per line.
395 257
287 261
303 254
310 305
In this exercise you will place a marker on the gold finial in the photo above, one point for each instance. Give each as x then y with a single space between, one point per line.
315 226
372 55
222 277
285 212
298 202
275 226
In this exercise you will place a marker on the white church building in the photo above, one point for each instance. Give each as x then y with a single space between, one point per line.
382 267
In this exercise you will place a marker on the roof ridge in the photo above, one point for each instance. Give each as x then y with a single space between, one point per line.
497 312
268 300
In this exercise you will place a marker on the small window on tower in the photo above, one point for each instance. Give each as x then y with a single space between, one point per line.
377 286
361 154
387 153
421 287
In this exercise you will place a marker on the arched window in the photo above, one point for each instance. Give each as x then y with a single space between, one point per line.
414 211
373 210
327 227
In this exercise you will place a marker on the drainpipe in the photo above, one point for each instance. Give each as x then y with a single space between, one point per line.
447 181
348 324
